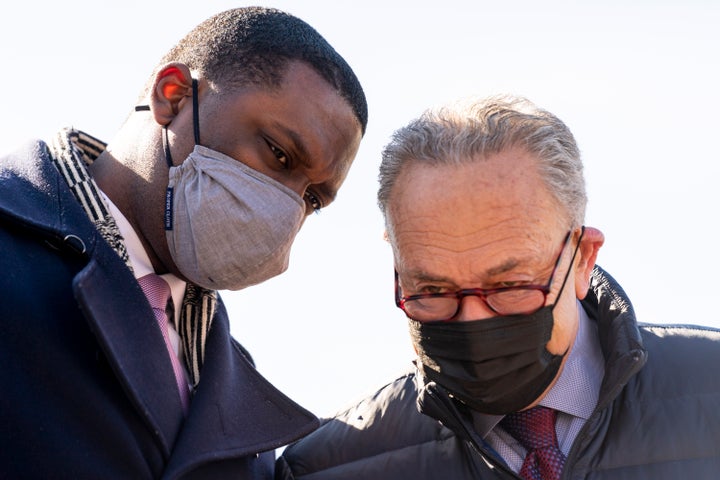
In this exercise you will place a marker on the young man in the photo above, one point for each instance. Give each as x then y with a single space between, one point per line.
531 363
118 358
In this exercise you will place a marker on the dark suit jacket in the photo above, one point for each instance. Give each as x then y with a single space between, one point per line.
87 388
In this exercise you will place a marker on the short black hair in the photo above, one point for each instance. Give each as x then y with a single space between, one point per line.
254 45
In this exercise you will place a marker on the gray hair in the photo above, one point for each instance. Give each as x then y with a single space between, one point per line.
470 131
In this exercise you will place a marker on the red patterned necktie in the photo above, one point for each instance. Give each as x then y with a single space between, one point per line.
157 292
535 430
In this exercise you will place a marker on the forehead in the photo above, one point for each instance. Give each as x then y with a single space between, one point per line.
307 104
486 214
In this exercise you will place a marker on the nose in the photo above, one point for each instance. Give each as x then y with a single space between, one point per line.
300 185
297 185
473 307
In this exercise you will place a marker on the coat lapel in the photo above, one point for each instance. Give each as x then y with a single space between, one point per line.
121 319
235 411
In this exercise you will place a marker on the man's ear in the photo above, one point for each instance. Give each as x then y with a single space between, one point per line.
172 84
590 244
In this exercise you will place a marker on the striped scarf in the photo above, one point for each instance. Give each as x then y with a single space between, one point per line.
72 151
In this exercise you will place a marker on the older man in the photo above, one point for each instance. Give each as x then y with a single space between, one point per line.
530 361
116 350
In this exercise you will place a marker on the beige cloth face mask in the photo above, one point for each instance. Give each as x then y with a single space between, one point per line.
227 225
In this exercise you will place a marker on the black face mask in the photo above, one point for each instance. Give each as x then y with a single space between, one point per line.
496 366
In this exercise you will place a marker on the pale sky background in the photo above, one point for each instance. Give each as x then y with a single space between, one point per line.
637 82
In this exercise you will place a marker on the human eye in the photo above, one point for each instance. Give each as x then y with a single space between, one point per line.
280 155
430 303
516 300
511 281
313 202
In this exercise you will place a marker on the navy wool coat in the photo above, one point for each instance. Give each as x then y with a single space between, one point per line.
87 387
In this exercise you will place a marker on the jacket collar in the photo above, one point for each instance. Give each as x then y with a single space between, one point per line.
620 340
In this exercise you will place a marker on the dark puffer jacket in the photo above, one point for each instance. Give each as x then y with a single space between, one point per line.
658 415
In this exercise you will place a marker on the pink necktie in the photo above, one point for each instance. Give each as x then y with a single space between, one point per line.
535 430
157 292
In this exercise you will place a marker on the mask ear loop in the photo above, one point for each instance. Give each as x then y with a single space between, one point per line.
196 124
166 147
572 260
196 112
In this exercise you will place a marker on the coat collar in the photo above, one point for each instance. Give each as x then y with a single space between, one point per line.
47 205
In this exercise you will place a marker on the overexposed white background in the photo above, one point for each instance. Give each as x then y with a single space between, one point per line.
636 81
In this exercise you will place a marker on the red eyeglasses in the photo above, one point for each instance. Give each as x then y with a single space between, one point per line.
504 301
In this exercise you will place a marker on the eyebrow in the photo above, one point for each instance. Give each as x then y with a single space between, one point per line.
504 267
297 143
303 156
422 276
507 266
